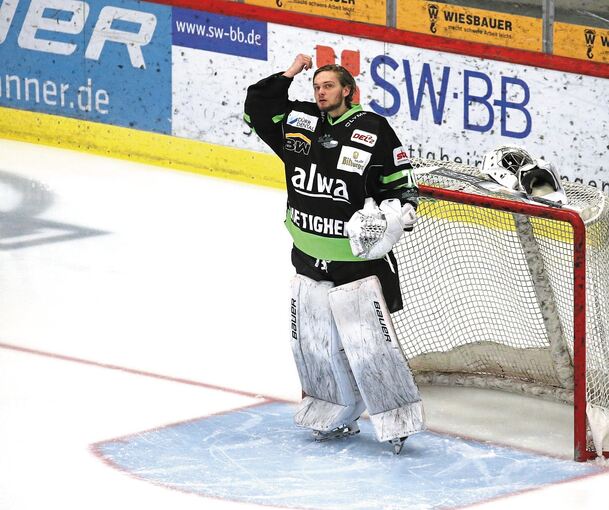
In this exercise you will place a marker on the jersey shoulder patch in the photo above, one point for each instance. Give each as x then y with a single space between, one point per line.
302 120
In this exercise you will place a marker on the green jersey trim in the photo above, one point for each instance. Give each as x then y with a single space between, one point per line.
323 248
354 108
394 177
278 118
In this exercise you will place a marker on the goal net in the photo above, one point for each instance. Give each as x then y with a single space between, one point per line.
506 293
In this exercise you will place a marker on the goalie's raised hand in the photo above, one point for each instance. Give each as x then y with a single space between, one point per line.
301 63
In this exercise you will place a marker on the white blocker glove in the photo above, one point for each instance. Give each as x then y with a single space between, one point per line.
374 230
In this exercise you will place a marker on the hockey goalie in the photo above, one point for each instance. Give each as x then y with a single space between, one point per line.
350 199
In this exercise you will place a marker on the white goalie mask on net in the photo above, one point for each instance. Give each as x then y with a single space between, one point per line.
503 163
515 169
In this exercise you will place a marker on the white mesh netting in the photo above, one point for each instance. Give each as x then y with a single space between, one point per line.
489 294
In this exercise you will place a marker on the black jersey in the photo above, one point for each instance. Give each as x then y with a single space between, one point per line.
331 165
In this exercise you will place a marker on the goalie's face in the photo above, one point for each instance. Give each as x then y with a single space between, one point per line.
330 95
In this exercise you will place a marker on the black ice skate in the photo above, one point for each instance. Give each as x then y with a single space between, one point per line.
337 433
398 444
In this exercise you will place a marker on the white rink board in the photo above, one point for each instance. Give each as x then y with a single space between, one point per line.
564 118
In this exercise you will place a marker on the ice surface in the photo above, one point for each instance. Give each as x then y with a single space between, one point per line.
133 298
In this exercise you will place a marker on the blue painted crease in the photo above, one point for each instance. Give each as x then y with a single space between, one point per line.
258 455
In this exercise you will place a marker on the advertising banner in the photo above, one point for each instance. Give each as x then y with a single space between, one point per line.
219 33
100 60
365 11
577 41
443 106
476 25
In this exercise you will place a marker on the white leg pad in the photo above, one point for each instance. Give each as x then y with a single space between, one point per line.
380 369
332 397
401 422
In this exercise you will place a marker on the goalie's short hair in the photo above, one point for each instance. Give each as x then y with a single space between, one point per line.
345 78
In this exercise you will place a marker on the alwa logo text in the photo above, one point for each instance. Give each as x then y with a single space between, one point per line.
313 184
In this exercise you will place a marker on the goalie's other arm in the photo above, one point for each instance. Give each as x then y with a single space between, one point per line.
375 229
394 177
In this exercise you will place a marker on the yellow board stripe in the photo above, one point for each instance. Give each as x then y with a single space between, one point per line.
143 147
493 219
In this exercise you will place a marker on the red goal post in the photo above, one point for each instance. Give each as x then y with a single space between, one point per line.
483 263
